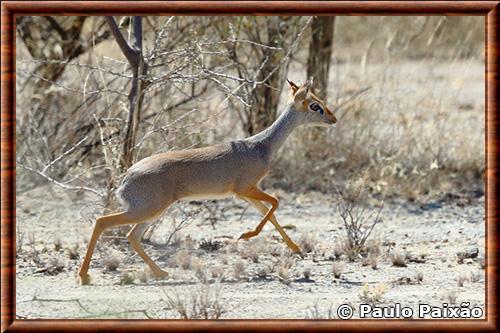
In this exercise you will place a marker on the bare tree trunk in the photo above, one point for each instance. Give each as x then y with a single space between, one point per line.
320 51
267 95
136 95
318 62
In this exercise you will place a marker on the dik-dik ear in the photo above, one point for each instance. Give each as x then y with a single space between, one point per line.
301 94
293 86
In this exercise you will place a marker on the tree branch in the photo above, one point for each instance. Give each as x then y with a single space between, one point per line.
57 27
131 54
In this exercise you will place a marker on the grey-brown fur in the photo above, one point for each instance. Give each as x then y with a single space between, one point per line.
161 179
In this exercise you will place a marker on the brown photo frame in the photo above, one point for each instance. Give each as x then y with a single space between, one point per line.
11 9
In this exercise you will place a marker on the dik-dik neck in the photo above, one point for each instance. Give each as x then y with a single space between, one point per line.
273 137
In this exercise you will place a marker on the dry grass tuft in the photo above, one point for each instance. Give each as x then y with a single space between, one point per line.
184 259
370 260
263 272
373 294
462 278
239 268
58 244
315 313
251 252
200 270
73 253
450 296
475 276
307 273
337 269
344 247
143 275
283 274
217 272
111 262
307 243
399 258
55 266
419 277
127 278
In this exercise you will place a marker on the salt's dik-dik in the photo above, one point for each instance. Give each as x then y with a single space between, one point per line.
234 168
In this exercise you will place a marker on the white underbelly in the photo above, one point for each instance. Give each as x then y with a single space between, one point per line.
207 196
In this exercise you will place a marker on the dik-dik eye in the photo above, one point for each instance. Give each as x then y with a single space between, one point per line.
316 107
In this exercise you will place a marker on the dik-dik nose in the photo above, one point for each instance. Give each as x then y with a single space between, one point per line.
332 117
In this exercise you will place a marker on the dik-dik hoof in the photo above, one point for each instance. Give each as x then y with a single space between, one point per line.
247 235
295 249
159 275
84 279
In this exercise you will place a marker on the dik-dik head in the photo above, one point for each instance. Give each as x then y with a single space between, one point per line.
313 109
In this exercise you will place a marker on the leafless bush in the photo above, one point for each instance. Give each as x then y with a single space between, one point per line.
358 223
210 245
181 216
393 149
205 303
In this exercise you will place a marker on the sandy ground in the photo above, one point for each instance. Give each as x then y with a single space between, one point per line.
50 224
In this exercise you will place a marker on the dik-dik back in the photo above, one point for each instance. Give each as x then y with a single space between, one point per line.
202 173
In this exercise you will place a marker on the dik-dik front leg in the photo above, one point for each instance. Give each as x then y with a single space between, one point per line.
255 196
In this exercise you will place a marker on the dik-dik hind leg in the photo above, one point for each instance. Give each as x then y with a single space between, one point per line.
134 237
102 223
255 196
